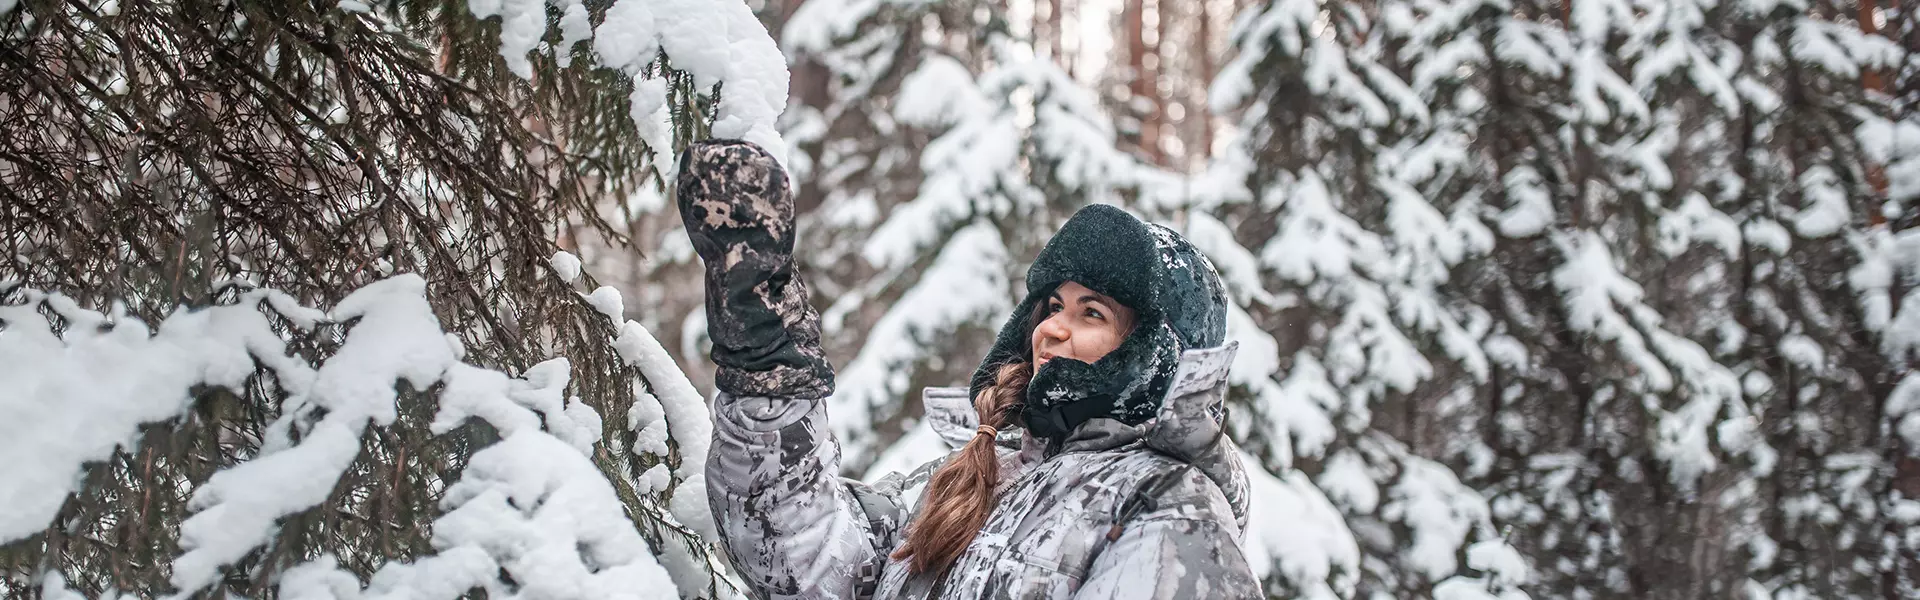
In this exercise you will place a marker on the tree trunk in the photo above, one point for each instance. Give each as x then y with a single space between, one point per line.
1145 93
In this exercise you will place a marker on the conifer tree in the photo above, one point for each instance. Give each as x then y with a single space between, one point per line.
366 196
1354 385
1814 292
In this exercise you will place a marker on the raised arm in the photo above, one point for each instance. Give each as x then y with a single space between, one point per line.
793 527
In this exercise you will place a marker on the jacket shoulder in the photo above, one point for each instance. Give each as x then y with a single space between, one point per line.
1167 488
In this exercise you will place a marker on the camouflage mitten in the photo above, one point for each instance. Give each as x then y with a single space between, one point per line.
738 209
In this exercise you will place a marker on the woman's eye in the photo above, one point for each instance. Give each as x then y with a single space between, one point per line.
1054 307
1095 313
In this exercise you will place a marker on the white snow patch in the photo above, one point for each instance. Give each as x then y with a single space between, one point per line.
73 398
1296 533
566 265
967 283
607 301
396 338
687 418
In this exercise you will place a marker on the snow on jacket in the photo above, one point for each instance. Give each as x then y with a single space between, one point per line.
1151 512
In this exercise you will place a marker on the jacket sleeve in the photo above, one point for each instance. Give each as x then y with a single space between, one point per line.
1185 546
794 529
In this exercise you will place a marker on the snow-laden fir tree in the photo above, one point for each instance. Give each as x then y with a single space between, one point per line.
893 316
1816 292
856 156
1340 258
1899 335
283 312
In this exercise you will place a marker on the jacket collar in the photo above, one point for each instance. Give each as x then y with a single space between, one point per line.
1190 425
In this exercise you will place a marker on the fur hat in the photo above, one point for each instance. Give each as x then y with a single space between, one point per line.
1177 299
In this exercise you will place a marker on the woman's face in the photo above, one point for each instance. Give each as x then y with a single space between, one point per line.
1080 324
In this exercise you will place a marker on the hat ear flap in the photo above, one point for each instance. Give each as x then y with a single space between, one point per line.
1125 385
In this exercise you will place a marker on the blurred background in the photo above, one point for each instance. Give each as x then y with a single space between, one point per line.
1623 284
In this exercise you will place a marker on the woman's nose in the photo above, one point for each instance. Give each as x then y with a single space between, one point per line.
1054 330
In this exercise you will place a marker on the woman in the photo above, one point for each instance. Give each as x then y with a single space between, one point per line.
1121 487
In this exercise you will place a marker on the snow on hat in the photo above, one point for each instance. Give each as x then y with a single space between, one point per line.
1173 290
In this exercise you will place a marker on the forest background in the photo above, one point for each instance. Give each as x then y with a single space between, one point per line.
1535 298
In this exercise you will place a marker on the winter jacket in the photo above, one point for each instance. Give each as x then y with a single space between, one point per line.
1149 511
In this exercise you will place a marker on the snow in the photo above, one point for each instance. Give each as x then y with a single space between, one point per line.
1696 219
648 109
1296 533
1329 74
396 338
1825 209
967 283
648 419
1368 341
530 517
574 28
1505 569
522 23
551 521
72 399
715 41
1804 352
565 534
1407 103
1532 209
1768 234
542 388
532 507
1428 246
626 39
1446 62
475 392
1506 351
1348 484
1589 71
963 167
1515 42
1316 240
721 40
566 265
1438 510
1072 131
1811 42
1300 411
1592 290
817 24
1500 560
1239 269
606 300
1258 29
687 419
940 92
1903 332
1259 355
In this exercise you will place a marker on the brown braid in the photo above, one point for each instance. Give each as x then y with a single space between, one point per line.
962 492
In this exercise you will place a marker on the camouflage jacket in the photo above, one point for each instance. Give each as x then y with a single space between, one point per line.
1153 511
